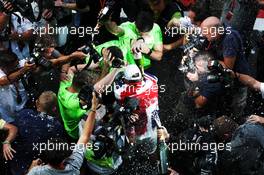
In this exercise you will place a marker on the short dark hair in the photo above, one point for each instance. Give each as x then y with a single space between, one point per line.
201 11
116 52
144 21
7 58
83 78
57 152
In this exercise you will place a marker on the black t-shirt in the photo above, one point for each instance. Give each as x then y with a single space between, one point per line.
231 45
165 17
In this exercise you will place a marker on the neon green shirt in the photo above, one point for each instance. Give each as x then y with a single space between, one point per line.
70 109
130 34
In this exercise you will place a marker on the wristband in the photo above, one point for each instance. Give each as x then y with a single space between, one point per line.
150 52
6 142
93 110
262 89
140 39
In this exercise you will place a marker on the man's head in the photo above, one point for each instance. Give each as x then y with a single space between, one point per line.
201 62
8 62
47 102
157 6
83 78
144 22
116 53
211 28
132 73
198 14
57 152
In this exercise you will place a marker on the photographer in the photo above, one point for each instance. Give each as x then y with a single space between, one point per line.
51 65
34 128
19 30
202 97
227 46
146 37
60 160
12 89
247 147
69 103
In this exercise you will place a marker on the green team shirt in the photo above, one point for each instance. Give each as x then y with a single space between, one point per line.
70 109
130 34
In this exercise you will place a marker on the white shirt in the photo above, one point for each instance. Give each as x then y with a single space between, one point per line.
20 27
8 98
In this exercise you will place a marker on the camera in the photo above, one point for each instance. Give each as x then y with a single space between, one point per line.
22 6
107 11
195 41
38 59
219 74
86 95
94 55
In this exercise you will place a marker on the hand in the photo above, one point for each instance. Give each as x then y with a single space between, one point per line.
173 172
133 118
29 67
64 77
35 163
163 134
192 76
47 14
255 119
8 151
78 54
95 102
58 3
8 6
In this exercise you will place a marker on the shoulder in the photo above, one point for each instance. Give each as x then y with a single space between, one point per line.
38 170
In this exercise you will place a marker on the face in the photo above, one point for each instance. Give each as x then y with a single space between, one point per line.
157 7
201 66
210 33
191 15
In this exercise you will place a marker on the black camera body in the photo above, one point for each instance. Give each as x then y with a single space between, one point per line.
22 6
219 74
94 55
37 58
86 95
195 41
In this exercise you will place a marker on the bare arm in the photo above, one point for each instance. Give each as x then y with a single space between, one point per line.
89 123
3 21
16 75
106 81
113 28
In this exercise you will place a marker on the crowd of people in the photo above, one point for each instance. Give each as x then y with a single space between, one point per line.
81 88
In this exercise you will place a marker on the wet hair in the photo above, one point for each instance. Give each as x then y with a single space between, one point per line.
48 102
83 78
203 56
144 21
57 152
7 59
116 52
201 12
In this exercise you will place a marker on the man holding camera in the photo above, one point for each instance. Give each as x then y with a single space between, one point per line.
227 46
202 97
11 84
